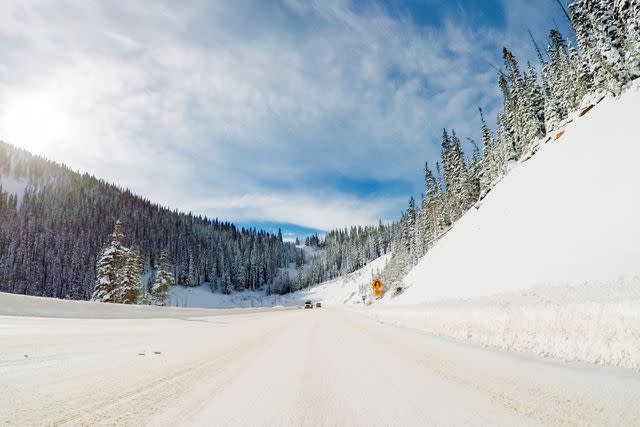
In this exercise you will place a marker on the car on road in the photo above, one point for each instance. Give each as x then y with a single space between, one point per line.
308 304
318 304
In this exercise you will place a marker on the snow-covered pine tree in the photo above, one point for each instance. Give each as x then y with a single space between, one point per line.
409 225
109 268
506 152
489 164
129 288
432 206
507 148
455 173
163 282
472 180
583 80
627 14
445 217
535 104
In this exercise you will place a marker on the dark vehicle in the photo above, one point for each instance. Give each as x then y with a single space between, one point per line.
318 305
308 304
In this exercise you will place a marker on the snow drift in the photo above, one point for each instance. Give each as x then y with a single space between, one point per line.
549 261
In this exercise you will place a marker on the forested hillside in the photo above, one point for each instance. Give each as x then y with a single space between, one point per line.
538 101
344 251
54 222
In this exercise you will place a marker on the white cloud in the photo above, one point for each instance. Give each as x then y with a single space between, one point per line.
314 212
227 109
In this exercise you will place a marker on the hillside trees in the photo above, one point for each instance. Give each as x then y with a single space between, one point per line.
52 235
118 272
163 281
606 58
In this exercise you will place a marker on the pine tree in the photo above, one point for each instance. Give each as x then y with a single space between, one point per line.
163 282
130 286
109 268
490 162
472 181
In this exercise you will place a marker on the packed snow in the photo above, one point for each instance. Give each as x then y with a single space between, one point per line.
287 367
202 297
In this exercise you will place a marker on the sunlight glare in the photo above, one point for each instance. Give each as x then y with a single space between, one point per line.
34 123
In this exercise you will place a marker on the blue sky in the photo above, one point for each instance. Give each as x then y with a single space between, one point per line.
303 114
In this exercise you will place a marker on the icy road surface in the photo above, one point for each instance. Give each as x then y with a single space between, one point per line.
321 367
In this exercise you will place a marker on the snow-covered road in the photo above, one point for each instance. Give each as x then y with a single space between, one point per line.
298 367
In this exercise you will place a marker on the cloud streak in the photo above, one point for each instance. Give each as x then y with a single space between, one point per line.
247 111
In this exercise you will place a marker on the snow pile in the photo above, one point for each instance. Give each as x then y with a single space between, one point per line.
32 306
580 323
549 262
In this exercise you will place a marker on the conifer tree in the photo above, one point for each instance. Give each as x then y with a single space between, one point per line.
130 285
163 282
109 268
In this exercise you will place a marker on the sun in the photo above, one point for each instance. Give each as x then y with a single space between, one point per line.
34 122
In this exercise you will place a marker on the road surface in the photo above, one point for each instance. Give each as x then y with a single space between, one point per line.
321 367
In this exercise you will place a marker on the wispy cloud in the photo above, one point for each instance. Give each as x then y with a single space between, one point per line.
246 110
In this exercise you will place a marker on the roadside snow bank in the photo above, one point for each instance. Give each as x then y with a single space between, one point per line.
594 322
32 306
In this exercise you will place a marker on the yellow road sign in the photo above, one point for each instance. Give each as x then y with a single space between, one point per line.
377 287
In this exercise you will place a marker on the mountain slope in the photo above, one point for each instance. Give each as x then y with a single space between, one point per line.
566 216
548 263
54 222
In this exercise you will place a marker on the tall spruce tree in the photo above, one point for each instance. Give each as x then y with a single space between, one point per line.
163 281
110 268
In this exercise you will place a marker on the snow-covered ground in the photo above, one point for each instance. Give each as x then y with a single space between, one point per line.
203 297
279 368
30 306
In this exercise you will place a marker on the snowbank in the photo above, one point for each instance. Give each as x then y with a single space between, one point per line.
31 306
596 323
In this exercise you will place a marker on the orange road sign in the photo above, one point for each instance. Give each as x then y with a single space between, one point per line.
377 288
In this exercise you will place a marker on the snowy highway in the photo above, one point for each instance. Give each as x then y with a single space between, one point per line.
293 367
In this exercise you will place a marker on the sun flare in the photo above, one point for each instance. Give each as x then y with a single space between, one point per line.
34 123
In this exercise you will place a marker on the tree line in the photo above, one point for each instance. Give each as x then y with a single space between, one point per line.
52 233
537 100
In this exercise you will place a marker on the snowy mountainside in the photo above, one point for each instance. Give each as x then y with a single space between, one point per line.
548 262
566 216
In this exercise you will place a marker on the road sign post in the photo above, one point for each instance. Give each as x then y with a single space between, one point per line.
378 288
